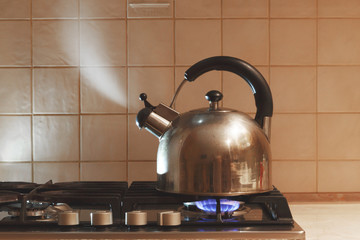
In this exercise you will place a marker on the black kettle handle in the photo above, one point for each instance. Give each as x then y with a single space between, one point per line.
259 86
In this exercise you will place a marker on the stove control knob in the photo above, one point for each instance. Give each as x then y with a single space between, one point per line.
68 218
135 218
101 218
169 218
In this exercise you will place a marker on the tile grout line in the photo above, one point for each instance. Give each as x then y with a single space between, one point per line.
127 93
316 100
269 42
32 96
133 113
269 72
221 49
174 49
79 91
172 65
179 18
147 160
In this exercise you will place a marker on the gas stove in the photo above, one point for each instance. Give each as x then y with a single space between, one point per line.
112 210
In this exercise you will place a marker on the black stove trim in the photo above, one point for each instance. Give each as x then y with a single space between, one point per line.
121 198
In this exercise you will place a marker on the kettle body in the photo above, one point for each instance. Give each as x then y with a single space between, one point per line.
216 153
213 151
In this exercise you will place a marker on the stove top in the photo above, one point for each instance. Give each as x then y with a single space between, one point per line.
35 204
140 210
264 209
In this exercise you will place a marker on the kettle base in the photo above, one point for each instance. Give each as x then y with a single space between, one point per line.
214 194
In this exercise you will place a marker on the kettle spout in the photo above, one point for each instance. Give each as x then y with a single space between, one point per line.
157 120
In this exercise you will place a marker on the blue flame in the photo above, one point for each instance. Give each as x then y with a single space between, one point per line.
226 205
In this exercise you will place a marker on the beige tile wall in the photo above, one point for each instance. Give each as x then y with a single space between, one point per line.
71 72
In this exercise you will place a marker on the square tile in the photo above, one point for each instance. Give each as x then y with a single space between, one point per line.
245 8
55 43
56 90
141 171
142 144
338 89
293 42
98 50
103 138
198 9
57 172
237 92
15 8
293 89
196 89
192 45
15 138
102 8
17 172
294 176
56 138
292 8
254 47
15 90
150 42
156 82
338 42
103 171
54 9
15 41
150 9
293 136
103 90
339 8
338 136
339 176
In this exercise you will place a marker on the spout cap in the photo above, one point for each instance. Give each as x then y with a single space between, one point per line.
143 97
142 117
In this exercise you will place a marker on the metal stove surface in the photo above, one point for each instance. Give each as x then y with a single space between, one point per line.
259 209
268 217
33 204
156 232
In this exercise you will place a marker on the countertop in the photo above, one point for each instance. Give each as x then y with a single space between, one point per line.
328 221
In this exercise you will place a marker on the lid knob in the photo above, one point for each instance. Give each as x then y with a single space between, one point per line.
214 96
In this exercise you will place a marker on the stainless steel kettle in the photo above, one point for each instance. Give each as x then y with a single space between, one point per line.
213 151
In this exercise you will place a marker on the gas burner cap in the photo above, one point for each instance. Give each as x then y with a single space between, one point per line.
29 212
68 218
135 218
101 218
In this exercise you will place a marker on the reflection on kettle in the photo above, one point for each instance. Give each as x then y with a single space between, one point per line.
213 151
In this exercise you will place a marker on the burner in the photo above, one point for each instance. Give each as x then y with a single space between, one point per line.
29 213
226 206
38 210
33 208
28 203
